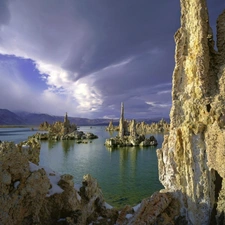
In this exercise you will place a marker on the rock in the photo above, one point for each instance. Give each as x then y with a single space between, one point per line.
31 149
22 192
44 126
75 135
191 161
123 218
133 132
135 136
58 128
31 194
91 136
66 181
161 209
111 127
150 209
121 123
129 138
138 140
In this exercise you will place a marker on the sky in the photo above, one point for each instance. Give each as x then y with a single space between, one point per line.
85 57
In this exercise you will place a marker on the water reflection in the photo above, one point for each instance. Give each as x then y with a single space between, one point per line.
130 159
67 145
51 143
125 174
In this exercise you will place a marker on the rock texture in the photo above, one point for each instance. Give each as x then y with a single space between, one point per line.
62 131
123 125
142 128
192 159
159 127
128 135
31 194
111 127
59 128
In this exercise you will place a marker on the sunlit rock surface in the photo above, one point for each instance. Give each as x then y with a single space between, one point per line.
192 159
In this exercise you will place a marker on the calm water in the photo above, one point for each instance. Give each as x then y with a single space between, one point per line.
16 134
126 175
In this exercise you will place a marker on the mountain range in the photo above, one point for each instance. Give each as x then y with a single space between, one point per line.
8 117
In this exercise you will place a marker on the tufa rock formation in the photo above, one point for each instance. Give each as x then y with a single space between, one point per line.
59 128
62 131
31 194
192 159
111 127
142 128
123 128
128 135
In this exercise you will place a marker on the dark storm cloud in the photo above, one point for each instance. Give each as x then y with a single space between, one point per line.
95 54
4 12
122 29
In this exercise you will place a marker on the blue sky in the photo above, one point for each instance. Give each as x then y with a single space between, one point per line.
86 57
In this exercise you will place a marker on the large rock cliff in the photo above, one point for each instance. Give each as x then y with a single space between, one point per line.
192 159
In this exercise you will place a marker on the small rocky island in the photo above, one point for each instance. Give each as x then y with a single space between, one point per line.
128 135
62 131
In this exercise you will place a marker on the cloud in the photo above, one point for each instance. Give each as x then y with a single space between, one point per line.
92 55
17 94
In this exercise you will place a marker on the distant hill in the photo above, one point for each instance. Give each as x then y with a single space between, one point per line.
9 118
25 118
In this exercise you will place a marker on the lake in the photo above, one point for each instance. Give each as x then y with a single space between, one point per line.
126 175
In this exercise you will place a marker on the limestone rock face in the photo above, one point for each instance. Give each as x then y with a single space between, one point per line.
192 159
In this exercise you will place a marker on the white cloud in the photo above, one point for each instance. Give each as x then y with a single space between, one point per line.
17 94
33 33
164 92
155 104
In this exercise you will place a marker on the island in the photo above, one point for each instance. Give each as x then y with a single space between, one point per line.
128 135
62 131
